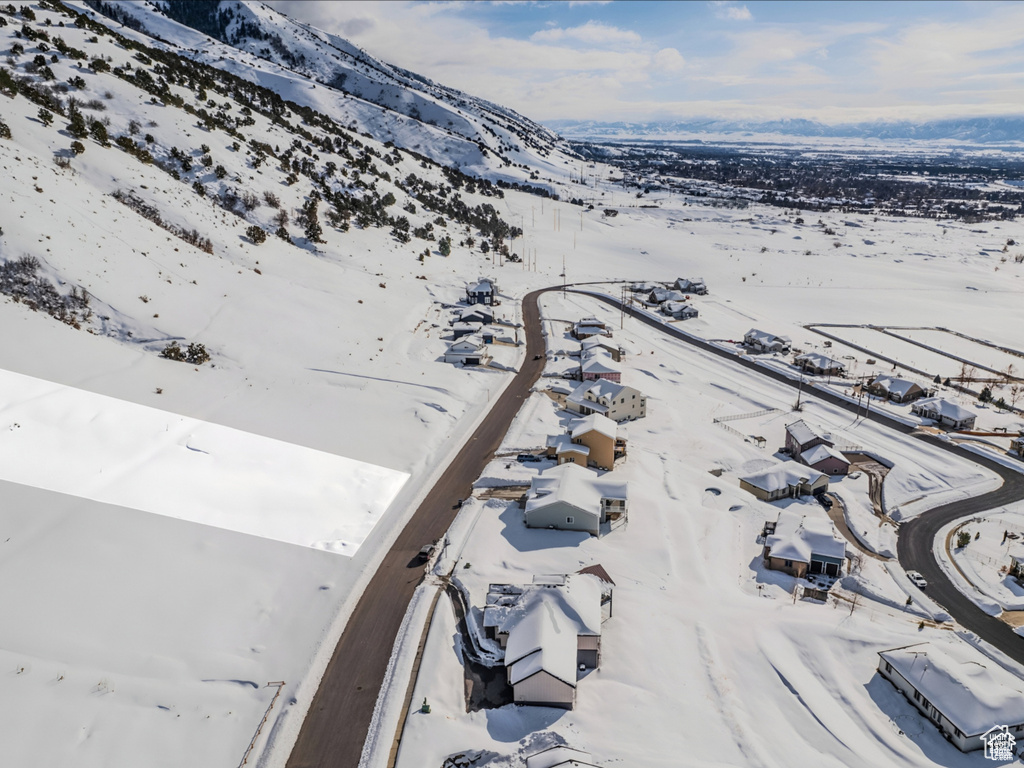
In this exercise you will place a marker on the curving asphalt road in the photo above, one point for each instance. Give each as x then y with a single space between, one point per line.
338 720
917 537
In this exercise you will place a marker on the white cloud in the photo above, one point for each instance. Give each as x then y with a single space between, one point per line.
593 33
669 60
873 66
726 10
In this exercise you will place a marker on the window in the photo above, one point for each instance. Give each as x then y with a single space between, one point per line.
569 520
917 695
788 563
888 667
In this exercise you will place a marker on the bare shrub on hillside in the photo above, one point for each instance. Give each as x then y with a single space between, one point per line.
151 213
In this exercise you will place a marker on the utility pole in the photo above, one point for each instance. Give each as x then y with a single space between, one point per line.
563 275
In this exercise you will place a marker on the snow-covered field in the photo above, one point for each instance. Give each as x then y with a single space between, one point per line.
117 452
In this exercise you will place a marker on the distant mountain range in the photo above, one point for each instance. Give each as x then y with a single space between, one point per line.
979 130
320 70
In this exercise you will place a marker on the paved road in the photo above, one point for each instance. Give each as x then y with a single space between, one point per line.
335 728
916 537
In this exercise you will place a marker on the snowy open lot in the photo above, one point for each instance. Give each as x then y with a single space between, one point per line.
118 453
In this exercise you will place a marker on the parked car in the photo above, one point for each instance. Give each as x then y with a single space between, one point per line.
917 579
527 458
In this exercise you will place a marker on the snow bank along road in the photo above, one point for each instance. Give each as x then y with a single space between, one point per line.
916 539
336 725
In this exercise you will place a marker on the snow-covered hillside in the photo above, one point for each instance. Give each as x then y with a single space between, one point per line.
323 71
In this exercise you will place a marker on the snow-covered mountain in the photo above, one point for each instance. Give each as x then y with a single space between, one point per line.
975 130
330 74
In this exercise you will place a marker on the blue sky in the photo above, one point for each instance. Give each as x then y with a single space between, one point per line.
645 61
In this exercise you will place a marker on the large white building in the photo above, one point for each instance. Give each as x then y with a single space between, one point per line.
616 401
963 692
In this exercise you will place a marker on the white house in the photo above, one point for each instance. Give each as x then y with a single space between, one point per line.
783 481
1017 446
571 498
560 757
762 341
964 693
616 401
945 412
469 350
802 544
549 630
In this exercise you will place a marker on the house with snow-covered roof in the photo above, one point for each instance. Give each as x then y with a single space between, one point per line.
480 314
963 692
616 401
1017 446
549 630
895 389
944 412
483 291
762 341
694 285
679 310
801 436
590 326
599 365
661 295
560 757
801 544
595 343
571 498
819 364
786 480
594 440
825 459
469 350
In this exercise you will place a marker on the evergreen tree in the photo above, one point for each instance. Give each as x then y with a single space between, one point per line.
45 116
77 127
98 131
256 234
77 147
986 395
